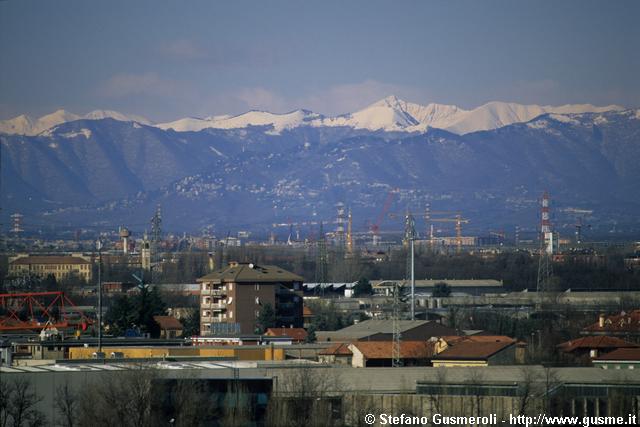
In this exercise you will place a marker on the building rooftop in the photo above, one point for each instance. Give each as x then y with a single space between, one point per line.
297 334
430 283
384 349
623 322
622 355
250 273
457 339
340 349
598 342
370 327
469 350
49 259
168 322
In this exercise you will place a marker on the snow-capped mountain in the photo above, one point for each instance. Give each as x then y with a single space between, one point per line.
389 115
393 115
25 125
98 170
278 122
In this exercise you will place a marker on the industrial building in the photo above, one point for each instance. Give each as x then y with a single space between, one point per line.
231 298
343 395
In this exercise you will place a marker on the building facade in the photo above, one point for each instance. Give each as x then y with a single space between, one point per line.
60 266
232 298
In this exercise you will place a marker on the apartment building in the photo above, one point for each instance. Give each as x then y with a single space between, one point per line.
231 298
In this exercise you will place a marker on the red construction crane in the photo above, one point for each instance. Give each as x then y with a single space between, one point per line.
34 310
375 227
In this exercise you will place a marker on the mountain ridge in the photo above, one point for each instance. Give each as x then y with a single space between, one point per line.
389 114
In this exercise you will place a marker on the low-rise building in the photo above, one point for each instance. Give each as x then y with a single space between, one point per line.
381 353
382 330
474 353
336 354
584 349
623 325
170 327
622 358
297 335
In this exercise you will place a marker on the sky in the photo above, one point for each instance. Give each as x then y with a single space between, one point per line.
170 59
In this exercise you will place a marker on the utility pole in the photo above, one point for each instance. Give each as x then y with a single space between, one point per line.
413 281
99 246
396 358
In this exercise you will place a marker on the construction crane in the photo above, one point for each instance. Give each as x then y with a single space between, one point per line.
579 225
457 219
375 227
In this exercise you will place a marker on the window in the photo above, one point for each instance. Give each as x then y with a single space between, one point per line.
230 286
230 314
257 300
257 286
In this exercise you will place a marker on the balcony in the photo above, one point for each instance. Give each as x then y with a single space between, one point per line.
219 306
214 292
211 319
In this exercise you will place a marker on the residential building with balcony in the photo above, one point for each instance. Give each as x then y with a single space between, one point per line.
231 298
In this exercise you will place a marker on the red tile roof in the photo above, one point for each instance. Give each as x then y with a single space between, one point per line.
455 339
168 322
623 322
592 343
297 334
340 349
384 349
469 350
306 311
622 354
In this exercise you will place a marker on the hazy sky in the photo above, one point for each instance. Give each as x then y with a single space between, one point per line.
169 59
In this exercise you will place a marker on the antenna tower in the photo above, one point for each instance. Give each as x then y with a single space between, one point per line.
546 247
17 224
321 260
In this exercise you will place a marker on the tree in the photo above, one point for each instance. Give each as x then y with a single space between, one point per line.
191 323
363 287
136 311
301 398
66 401
441 289
19 406
122 398
266 318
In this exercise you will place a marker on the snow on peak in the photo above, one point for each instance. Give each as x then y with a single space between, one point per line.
390 114
278 122
115 115
25 125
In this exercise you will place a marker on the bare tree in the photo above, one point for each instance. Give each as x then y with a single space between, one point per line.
436 399
301 396
551 383
122 398
527 389
4 402
474 381
66 402
21 402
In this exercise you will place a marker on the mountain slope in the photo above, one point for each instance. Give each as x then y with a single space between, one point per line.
93 171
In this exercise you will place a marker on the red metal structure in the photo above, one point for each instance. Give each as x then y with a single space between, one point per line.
375 227
50 309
